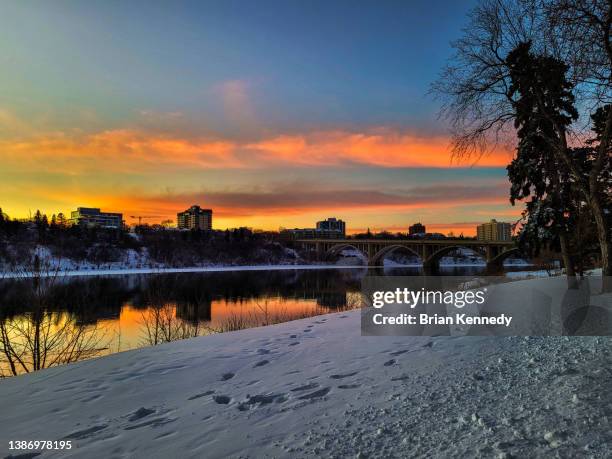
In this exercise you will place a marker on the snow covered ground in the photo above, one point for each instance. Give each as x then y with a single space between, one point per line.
196 269
317 388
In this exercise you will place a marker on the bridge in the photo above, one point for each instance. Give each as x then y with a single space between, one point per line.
430 251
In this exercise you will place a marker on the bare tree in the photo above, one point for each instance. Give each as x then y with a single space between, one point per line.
475 85
160 323
44 337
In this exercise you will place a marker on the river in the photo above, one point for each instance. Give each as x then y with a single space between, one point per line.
54 321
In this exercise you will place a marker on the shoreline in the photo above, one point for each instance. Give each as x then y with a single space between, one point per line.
225 268
189 269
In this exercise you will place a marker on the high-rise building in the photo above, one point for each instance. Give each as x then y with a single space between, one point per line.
195 218
332 224
417 228
494 231
91 216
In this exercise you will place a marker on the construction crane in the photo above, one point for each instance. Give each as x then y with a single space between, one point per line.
140 217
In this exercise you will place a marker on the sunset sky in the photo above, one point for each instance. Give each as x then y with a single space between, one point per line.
272 113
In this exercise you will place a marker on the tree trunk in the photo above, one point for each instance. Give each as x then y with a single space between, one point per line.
603 237
567 261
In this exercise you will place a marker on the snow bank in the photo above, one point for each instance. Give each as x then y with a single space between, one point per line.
196 269
315 387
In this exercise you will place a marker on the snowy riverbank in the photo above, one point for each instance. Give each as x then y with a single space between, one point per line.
205 269
316 388
192 269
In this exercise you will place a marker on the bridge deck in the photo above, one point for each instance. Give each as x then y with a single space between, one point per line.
463 242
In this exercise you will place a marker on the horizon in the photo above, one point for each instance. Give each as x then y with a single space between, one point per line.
240 110
467 229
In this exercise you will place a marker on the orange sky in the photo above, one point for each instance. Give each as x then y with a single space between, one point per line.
281 180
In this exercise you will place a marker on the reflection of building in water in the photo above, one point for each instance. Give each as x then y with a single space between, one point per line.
328 291
101 311
194 312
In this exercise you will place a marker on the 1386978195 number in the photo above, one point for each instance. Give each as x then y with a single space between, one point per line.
39 444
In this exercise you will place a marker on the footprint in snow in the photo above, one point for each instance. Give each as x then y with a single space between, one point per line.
347 375
222 399
306 387
203 394
263 399
85 433
157 422
140 413
263 351
226 376
261 363
388 363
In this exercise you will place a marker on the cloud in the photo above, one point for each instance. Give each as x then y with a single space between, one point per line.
380 147
123 149
300 197
119 150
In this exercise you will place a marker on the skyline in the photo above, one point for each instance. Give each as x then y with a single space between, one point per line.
240 108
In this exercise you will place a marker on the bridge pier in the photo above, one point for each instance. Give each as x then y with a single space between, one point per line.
431 269
494 268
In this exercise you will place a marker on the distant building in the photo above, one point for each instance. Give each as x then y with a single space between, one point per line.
91 216
332 228
494 231
195 218
417 228
310 233
332 224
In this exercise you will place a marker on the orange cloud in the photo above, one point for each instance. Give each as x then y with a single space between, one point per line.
128 148
385 148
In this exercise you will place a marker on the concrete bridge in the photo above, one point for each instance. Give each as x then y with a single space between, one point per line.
429 251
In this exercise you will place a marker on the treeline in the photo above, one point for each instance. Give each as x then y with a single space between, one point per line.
43 240
237 246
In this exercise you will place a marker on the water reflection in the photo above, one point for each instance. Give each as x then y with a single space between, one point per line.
52 321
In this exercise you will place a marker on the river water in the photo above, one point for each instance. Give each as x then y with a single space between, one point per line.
50 322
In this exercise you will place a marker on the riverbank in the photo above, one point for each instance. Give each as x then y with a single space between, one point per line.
210 269
316 387
192 269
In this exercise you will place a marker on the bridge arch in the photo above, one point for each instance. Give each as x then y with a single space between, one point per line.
336 249
499 259
434 258
379 256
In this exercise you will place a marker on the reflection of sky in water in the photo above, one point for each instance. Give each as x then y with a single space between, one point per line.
122 307
127 331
